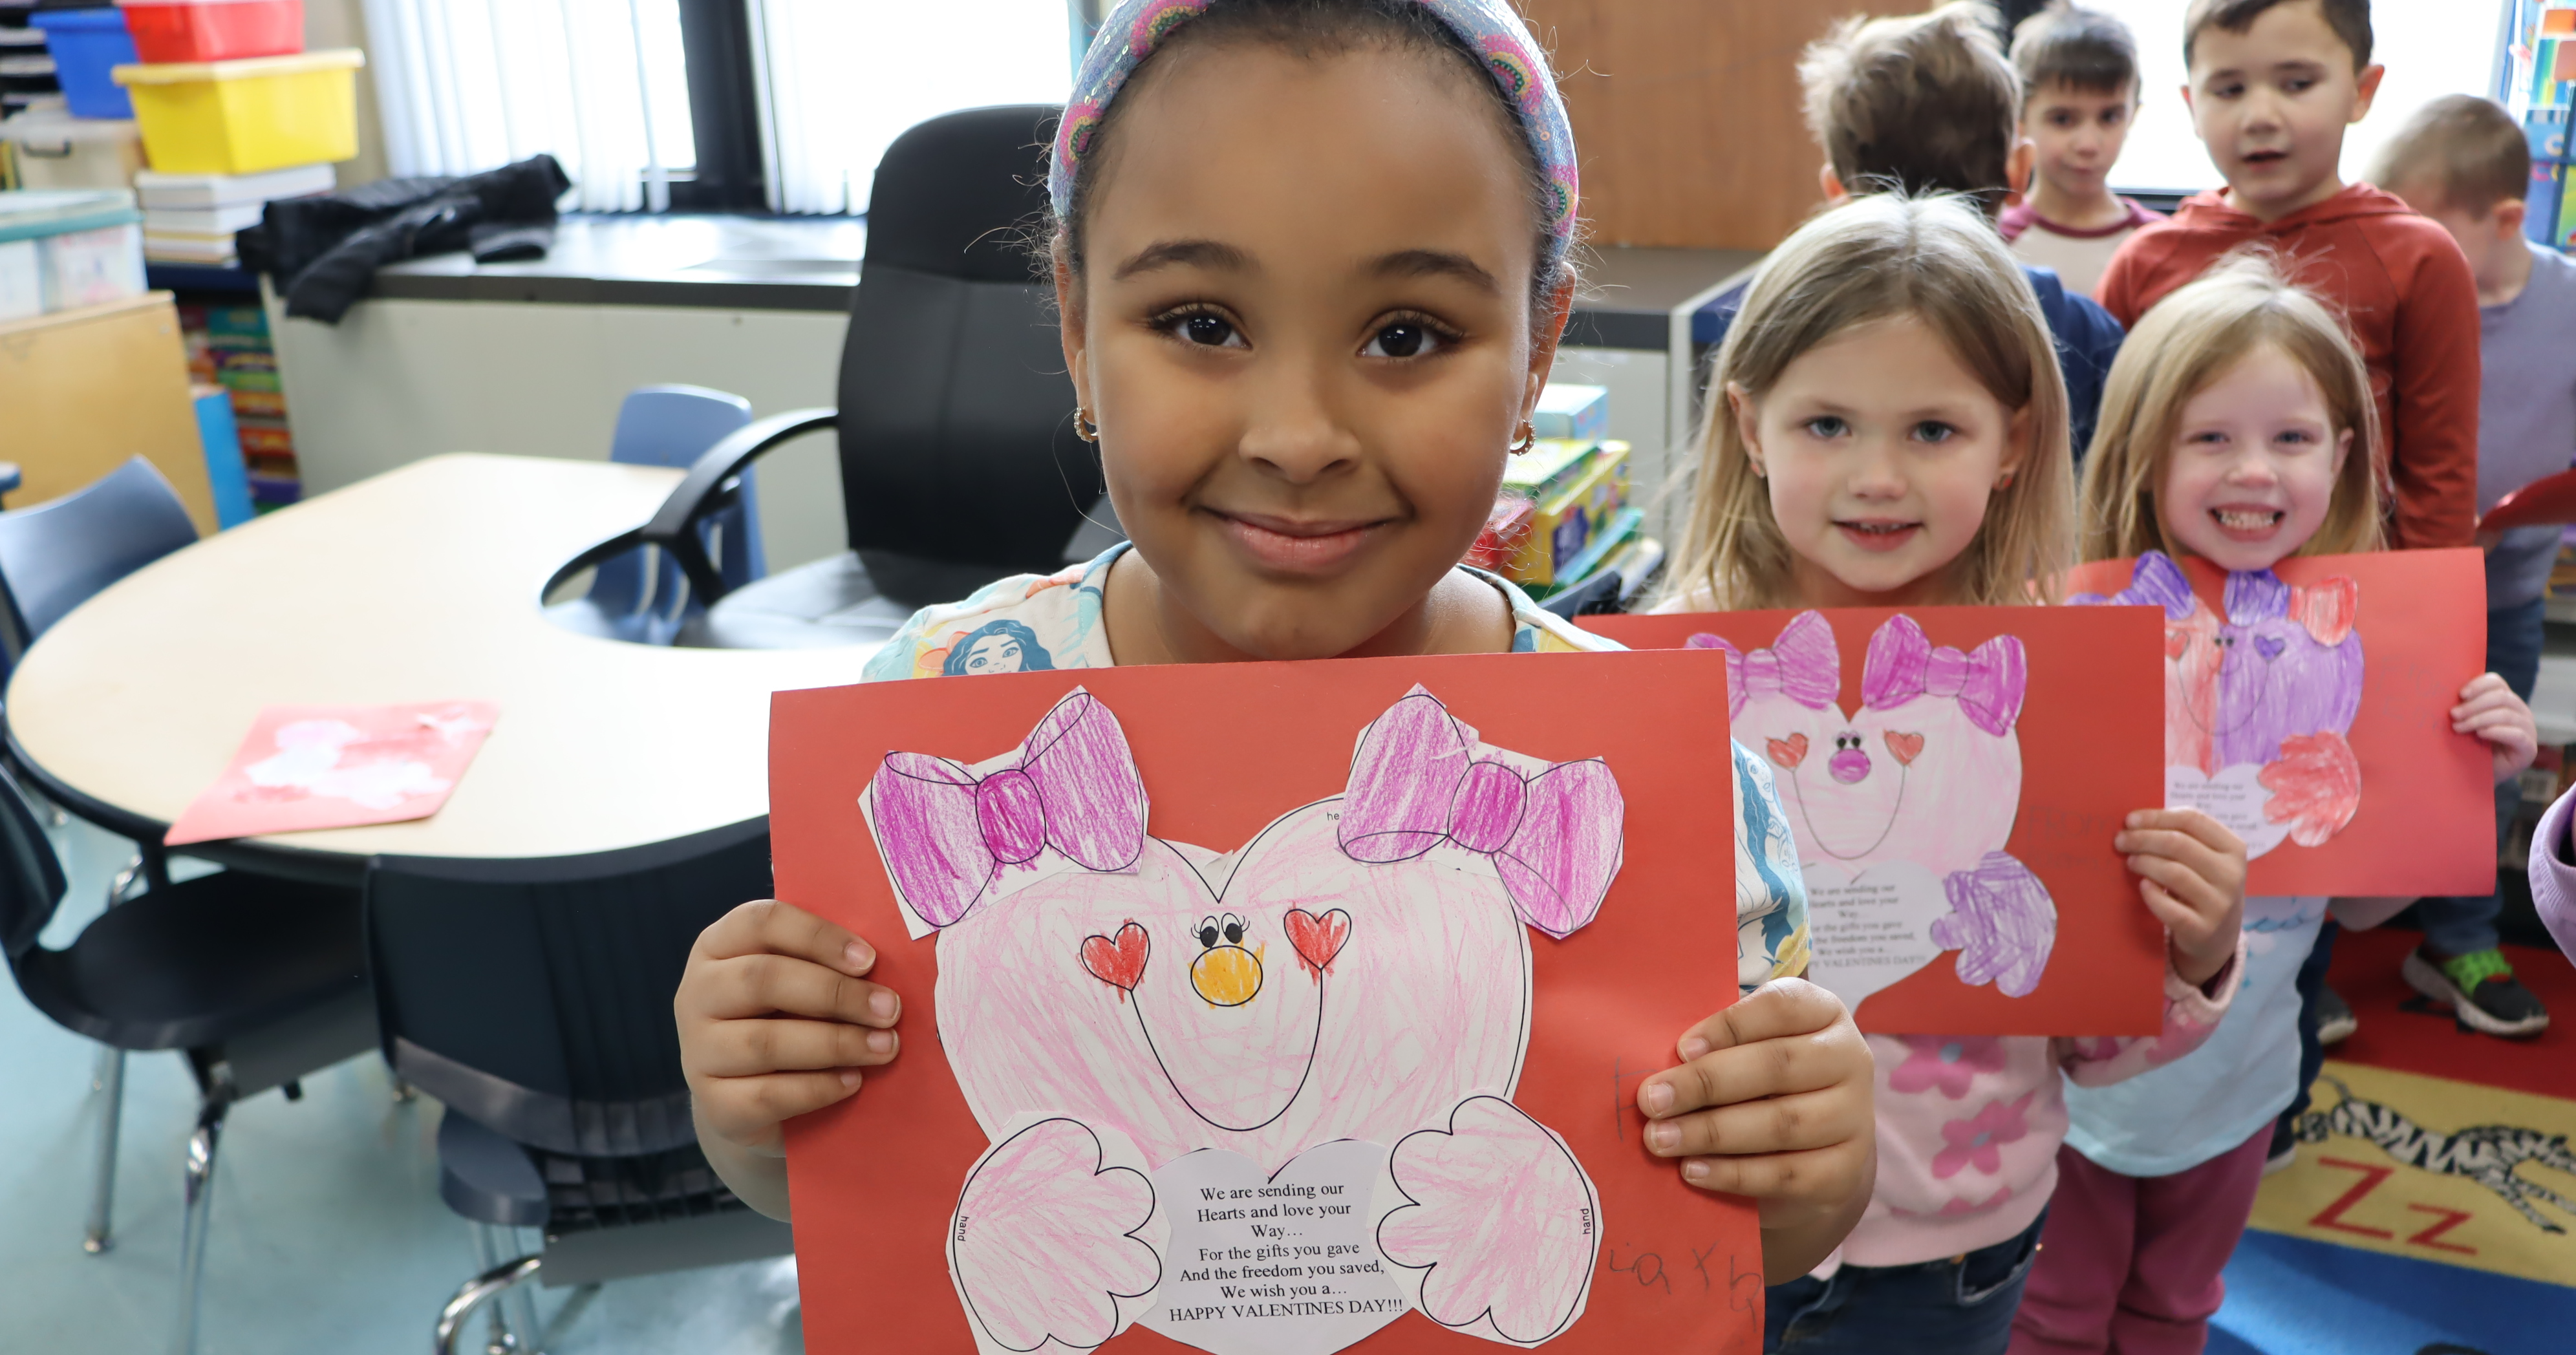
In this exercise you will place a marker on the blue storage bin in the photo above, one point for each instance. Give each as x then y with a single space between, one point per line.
87 44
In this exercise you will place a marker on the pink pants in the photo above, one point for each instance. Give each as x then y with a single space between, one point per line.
2130 1264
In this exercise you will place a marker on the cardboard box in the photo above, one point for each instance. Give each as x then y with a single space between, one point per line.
86 389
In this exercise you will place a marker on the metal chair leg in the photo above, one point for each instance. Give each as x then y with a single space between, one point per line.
109 1081
199 1208
477 1292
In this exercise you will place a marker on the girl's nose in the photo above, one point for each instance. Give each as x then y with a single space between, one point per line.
1295 435
1876 473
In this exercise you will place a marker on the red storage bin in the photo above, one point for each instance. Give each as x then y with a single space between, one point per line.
169 32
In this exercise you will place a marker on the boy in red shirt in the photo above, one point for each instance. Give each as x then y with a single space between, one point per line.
2273 85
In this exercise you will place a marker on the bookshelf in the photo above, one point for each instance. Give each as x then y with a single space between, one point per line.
2537 72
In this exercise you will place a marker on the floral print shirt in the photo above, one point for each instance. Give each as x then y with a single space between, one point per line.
1041 621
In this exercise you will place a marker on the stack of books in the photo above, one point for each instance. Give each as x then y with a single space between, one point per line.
2541 94
191 218
230 346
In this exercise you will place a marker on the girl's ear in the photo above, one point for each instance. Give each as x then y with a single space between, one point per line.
2343 448
1069 324
1544 336
1748 425
2017 442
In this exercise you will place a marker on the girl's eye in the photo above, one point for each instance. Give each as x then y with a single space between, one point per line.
1934 431
1826 426
1203 329
1404 339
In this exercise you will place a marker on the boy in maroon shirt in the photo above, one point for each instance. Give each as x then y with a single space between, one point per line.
2273 85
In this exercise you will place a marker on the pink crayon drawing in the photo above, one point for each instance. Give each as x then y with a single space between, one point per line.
1265 1027
1903 810
304 767
2259 704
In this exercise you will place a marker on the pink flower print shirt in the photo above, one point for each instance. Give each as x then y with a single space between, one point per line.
1968 1125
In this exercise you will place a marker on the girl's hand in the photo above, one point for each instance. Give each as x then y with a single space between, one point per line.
2192 875
776 1019
1773 1101
2490 710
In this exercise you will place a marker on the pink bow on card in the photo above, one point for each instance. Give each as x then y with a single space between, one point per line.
1803 665
1903 664
1554 837
946 831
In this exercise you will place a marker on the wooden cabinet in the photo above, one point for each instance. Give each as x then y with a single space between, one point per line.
1687 116
82 391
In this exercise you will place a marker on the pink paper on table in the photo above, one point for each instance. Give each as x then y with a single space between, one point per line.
338 767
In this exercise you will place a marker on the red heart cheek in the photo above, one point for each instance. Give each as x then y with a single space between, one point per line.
1904 747
1317 939
2176 641
1119 963
1788 752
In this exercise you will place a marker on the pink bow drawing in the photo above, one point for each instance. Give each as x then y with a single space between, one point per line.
1903 664
946 832
1803 665
1554 837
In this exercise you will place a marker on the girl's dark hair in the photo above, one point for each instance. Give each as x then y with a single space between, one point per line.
1320 28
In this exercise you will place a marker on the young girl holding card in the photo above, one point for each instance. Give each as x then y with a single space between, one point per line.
1892 432
1311 258
2236 427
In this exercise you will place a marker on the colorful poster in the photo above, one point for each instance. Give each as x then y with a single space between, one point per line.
1954 777
1261 1008
2308 708
338 767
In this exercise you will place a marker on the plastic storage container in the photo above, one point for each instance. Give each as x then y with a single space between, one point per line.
87 45
57 150
60 250
214 30
241 117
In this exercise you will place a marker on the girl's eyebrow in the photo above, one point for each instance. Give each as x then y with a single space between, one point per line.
1213 254
1426 263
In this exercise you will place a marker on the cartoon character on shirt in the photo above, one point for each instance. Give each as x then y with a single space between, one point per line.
1003 646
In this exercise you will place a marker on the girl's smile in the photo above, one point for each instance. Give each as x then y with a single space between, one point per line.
1292 546
2254 462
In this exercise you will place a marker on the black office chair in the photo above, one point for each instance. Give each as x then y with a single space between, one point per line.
55 555
958 459
259 982
533 998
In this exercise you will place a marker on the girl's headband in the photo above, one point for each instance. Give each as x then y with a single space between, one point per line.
1132 31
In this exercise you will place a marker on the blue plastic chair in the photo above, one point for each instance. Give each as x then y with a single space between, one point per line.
642 596
58 554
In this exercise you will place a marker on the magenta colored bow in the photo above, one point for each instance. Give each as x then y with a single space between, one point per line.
1903 664
1554 836
1803 665
945 833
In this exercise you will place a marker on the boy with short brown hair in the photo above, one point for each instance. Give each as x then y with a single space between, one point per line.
2464 164
2079 91
2273 85
1926 103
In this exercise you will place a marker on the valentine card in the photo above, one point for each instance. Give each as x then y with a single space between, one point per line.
337 767
1277 1007
2307 707
1953 786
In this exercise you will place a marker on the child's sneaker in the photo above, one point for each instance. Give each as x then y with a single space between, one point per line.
2481 989
2335 1021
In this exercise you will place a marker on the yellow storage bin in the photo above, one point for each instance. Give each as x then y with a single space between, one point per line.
243 117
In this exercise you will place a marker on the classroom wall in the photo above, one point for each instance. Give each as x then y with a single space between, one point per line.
1687 114
342 23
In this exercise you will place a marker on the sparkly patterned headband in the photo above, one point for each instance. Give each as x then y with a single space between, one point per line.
1132 31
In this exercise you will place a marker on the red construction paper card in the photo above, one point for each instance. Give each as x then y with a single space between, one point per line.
1246 1102
1956 825
2308 708
338 767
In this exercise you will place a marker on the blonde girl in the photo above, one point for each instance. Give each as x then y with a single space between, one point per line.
1888 427
2237 427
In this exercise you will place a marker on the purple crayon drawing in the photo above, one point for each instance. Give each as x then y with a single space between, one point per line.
1355 978
2259 704
1902 811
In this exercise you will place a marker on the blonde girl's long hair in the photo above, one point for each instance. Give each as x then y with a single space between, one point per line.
1879 257
2189 340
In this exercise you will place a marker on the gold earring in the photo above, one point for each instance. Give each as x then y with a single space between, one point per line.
1526 438
1083 427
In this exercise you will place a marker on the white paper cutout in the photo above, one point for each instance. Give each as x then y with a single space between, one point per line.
1868 929
1056 1237
1512 1265
2235 797
1276 1265
1356 972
